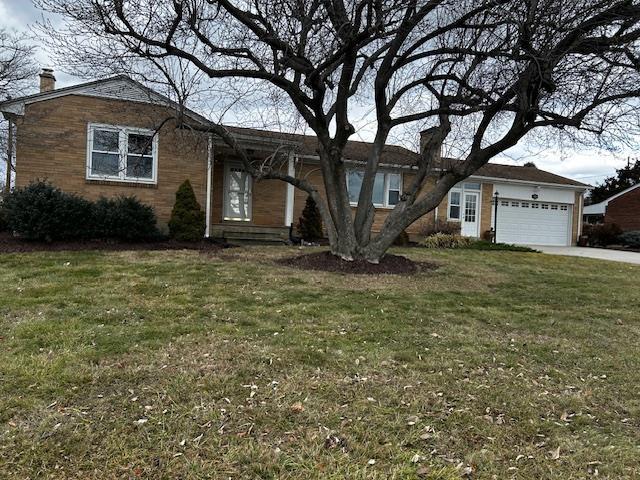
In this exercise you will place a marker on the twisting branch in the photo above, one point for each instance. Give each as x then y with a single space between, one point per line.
492 70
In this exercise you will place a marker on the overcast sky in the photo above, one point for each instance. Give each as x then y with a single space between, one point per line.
587 166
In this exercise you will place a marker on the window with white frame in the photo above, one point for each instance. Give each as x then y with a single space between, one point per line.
454 205
455 198
122 154
386 187
469 186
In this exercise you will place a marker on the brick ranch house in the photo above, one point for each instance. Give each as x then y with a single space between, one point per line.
117 137
623 209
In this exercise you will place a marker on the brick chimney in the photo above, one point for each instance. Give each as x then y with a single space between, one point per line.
425 135
47 80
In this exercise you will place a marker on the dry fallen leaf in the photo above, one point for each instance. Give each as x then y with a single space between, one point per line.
412 420
297 407
555 454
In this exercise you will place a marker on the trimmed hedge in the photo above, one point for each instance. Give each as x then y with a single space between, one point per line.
445 240
124 218
630 239
187 221
601 234
486 245
43 212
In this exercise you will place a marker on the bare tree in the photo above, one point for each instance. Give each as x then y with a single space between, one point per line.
491 71
17 74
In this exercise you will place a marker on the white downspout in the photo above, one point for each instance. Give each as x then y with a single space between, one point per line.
207 231
580 206
291 171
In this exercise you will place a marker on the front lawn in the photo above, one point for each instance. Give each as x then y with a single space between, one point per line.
190 365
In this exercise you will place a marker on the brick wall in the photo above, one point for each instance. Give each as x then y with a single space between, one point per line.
625 211
575 221
52 144
486 209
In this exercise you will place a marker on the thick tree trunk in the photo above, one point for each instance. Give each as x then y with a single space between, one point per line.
344 243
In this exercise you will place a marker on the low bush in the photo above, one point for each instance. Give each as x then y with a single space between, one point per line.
440 226
187 221
123 218
445 240
601 234
4 225
485 245
630 239
41 211
402 240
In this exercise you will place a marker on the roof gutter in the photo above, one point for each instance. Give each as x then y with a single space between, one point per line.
473 177
531 182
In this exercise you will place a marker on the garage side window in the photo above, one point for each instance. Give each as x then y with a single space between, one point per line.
454 205
122 154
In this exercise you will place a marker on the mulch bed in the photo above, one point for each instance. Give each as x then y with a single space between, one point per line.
11 244
325 261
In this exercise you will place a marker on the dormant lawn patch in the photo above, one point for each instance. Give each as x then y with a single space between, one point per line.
180 364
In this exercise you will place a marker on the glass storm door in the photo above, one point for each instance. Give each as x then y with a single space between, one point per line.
237 201
470 215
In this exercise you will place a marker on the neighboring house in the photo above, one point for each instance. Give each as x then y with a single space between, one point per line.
117 137
623 209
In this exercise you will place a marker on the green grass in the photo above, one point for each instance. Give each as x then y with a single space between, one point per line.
185 365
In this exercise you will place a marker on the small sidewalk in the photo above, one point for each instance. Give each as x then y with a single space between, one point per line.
599 253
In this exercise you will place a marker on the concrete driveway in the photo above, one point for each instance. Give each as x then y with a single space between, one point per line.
599 253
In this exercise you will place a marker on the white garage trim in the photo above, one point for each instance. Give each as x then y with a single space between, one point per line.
533 222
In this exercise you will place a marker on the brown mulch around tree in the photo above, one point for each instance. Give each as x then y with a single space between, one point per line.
10 244
325 261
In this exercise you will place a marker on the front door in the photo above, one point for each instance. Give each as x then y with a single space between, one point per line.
470 215
237 194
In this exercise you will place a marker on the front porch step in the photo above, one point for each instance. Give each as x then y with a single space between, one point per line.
249 233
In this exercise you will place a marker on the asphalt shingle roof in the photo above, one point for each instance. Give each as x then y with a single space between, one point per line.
396 155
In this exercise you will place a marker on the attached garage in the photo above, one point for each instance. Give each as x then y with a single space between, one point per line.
537 223
534 214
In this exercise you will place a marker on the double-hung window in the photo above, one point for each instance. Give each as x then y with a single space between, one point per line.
122 154
454 204
386 188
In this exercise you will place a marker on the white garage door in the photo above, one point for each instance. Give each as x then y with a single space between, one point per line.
535 223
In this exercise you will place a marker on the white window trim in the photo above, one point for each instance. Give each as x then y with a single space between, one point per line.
460 187
385 205
225 194
123 147
449 217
